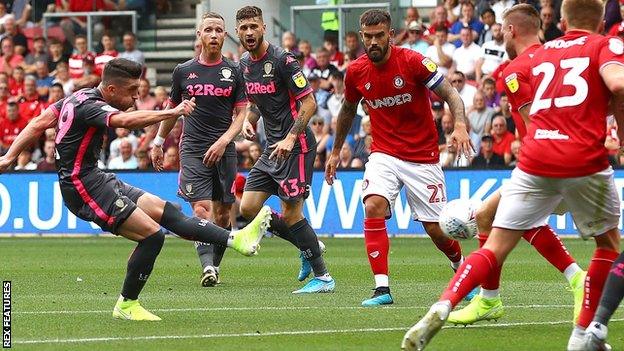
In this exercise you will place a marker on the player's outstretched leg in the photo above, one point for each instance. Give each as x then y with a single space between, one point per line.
309 244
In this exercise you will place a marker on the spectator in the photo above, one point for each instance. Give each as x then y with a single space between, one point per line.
492 53
353 49
55 94
289 42
90 78
441 52
109 53
131 52
448 125
487 158
10 126
16 82
549 29
466 56
324 68
21 10
411 14
44 79
10 59
466 20
415 40
4 15
146 138
56 55
345 156
488 20
48 163
362 149
466 91
439 20
4 99
30 105
76 60
174 137
62 77
334 103
437 109
126 159
145 100
309 62
336 57
11 30
143 161
172 159
78 25
500 6
39 54
320 134
255 151
515 153
321 96
39 8
24 161
505 111
480 119
502 138
161 96
492 98
453 10
122 135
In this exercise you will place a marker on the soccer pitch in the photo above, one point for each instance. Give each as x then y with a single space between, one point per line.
64 289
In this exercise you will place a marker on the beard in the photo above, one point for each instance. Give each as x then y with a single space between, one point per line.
511 51
377 53
253 46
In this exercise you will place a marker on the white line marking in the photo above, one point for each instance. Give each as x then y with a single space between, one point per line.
266 308
277 333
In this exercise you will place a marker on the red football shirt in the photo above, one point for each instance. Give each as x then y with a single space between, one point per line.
30 108
102 59
398 103
566 136
10 129
517 77
503 146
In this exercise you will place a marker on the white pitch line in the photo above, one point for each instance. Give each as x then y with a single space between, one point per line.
266 308
276 333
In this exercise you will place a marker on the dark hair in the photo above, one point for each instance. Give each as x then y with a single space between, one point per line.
211 14
80 36
54 41
488 10
130 34
7 38
352 34
460 73
489 80
120 68
375 16
442 29
248 12
57 85
337 75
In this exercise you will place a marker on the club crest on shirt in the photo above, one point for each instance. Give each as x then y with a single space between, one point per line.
512 82
398 82
268 69
299 80
616 46
189 189
226 74
429 65
367 86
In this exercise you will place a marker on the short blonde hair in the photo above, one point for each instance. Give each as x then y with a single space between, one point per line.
524 17
583 14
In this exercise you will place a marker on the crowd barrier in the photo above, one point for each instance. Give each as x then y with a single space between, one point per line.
32 203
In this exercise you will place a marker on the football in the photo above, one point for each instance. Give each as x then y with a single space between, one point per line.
458 219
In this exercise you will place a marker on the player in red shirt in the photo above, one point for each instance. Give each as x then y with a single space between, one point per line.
563 159
11 126
30 104
520 30
395 82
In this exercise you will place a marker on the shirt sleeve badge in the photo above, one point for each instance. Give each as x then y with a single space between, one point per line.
299 80
512 82
429 65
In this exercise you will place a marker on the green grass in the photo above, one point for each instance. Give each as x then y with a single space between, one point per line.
255 299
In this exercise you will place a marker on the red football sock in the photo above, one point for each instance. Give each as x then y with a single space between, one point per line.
548 244
377 244
450 248
482 239
594 282
470 274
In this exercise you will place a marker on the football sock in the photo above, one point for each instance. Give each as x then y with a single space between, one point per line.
570 271
219 251
470 274
594 282
278 227
548 244
450 248
377 247
612 293
193 228
140 265
205 252
308 244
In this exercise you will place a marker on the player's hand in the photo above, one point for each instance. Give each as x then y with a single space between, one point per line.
185 107
248 130
612 141
461 140
214 153
282 149
330 168
157 156
5 164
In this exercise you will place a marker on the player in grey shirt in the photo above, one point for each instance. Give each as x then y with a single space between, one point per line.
207 155
278 90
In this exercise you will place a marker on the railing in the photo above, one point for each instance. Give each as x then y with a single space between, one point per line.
89 16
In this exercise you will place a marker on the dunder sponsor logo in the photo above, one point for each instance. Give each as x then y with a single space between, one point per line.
390 101
207 89
259 88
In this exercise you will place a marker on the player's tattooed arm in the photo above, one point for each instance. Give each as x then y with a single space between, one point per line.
306 110
343 124
252 115
460 135
33 131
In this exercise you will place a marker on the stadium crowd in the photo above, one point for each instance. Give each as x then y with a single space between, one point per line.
463 38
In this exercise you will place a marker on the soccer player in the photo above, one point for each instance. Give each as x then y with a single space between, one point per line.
96 196
563 158
278 90
393 82
207 155
520 31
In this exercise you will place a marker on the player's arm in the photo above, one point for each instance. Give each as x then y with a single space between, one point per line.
33 131
216 150
343 124
306 110
524 112
144 118
252 115
460 135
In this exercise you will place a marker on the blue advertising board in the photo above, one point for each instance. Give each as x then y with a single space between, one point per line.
32 202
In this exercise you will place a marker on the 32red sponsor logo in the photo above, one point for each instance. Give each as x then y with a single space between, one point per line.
259 88
207 89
